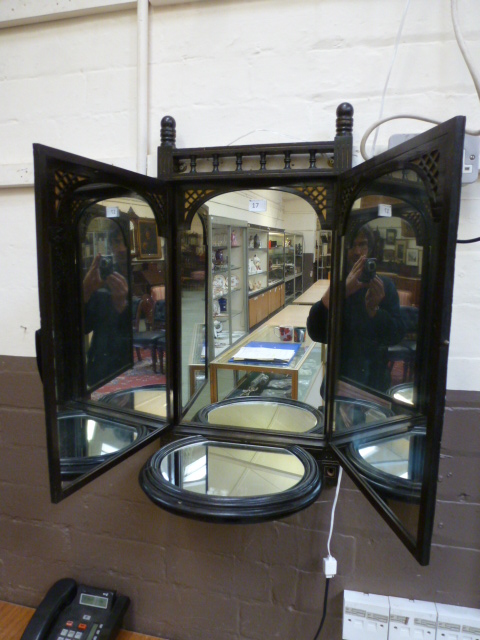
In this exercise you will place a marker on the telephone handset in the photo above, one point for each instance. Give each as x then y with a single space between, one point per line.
72 611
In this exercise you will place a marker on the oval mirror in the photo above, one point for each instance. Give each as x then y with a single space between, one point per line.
86 442
271 414
394 468
226 482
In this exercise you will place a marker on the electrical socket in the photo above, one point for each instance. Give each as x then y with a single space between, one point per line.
412 619
365 616
471 148
457 623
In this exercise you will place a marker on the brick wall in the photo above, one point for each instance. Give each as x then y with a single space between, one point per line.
190 580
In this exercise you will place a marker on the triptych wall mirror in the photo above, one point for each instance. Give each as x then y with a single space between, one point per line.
266 312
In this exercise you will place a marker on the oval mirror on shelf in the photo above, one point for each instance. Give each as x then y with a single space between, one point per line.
234 483
394 467
270 414
86 442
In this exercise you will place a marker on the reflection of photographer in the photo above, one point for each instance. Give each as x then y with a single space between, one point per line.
105 296
372 319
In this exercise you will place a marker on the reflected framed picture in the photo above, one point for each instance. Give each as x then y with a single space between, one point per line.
389 255
407 230
391 236
412 257
147 245
400 251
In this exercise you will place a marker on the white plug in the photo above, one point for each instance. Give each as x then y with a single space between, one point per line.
329 567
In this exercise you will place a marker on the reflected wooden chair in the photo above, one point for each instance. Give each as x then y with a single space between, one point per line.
150 338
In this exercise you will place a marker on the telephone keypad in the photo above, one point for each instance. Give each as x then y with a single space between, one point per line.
72 633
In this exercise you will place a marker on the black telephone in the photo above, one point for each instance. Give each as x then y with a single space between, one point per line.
71 611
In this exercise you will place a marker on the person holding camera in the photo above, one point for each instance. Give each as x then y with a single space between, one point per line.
107 314
372 320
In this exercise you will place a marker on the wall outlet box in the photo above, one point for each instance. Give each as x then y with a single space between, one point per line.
365 616
457 623
471 147
414 619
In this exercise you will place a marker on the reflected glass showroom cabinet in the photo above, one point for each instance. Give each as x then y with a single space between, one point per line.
276 256
257 259
228 282
293 266
324 254
266 269
95 420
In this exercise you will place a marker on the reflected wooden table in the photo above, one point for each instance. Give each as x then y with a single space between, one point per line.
293 315
289 316
14 618
313 294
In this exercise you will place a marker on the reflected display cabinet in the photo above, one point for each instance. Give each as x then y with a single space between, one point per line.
293 266
227 285
97 362
276 257
324 254
257 265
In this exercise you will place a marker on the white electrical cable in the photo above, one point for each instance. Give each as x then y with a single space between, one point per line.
333 510
266 130
462 47
395 51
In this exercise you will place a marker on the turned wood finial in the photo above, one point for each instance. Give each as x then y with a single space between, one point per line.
344 119
168 131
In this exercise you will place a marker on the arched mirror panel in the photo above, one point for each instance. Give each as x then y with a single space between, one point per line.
247 259
385 280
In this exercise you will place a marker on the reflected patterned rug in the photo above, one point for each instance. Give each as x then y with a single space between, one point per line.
141 375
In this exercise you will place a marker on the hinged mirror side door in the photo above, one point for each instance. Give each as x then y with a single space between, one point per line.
389 324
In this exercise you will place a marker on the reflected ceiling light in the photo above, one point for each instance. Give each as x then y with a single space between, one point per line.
366 452
196 470
107 448
91 427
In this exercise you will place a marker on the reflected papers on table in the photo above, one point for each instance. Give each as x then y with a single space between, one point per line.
266 352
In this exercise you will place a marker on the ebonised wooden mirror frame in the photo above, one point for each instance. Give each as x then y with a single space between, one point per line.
187 178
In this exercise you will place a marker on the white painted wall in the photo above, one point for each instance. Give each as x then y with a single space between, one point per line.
225 70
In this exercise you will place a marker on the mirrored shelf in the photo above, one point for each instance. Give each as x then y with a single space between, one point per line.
231 483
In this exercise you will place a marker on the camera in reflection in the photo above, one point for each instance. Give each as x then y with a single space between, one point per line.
106 267
369 270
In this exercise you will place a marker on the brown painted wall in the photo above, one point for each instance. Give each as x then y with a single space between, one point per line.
190 580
